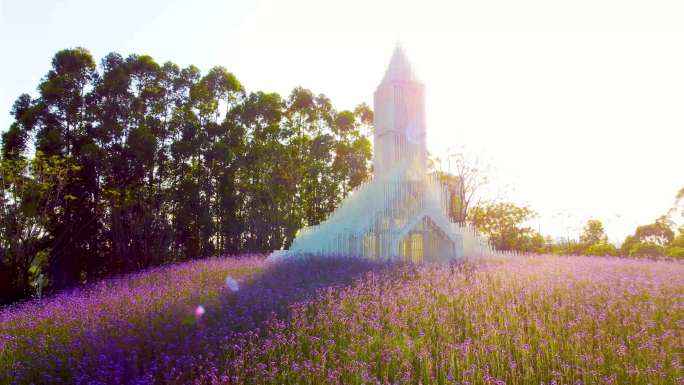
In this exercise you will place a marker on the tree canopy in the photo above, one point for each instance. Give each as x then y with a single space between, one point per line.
504 224
132 163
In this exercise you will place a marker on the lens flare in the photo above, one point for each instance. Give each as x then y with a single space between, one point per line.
232 284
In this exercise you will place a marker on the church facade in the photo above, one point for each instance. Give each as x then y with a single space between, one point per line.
401 213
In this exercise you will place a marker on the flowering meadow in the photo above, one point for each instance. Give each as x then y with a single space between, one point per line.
521 320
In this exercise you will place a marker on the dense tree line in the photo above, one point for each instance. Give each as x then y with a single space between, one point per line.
132 164
504 224
661 238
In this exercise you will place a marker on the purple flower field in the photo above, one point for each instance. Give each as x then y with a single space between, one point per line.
525 320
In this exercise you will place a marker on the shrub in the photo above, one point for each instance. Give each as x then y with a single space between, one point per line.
601 249
674 251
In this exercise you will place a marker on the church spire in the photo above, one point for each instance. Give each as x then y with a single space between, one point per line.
400 68
399 119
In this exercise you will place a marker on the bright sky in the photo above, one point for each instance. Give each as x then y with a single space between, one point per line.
577 105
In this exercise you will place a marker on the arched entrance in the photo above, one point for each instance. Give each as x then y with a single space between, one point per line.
425 242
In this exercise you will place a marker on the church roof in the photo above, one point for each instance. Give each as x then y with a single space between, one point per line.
400 68
388 201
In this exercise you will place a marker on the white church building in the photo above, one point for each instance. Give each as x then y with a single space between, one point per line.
402 212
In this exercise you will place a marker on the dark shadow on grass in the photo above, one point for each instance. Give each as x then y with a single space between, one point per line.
271 292
184 348
178 352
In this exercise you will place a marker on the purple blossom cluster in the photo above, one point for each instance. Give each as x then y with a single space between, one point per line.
527 320
524 320
148 327
118 330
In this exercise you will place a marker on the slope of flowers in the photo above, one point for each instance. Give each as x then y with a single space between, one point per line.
46 341
525 320
149 327
530 320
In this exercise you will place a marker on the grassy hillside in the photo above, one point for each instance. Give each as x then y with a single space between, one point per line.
563 320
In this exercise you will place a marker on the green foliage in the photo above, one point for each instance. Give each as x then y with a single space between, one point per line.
463 181
679 240
142 164
674 251
601 249
503 222
646 249
502 225
659 232
651 240
592 241
455 190
28 191
593 233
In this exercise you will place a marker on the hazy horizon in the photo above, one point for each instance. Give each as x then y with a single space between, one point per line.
577 107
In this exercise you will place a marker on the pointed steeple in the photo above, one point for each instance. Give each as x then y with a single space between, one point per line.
400 68
399 119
